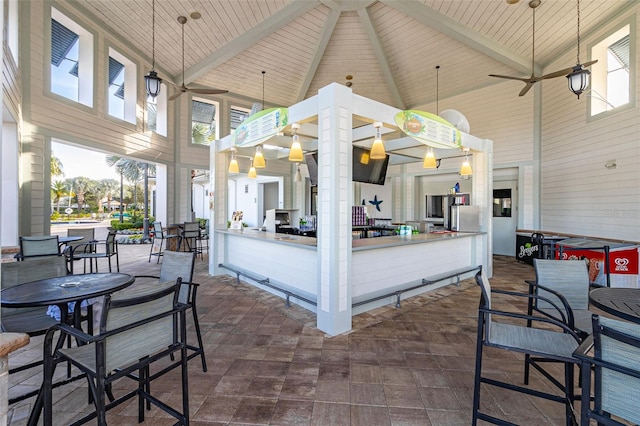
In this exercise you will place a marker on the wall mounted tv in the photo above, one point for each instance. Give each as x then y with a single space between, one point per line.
364 168
367 170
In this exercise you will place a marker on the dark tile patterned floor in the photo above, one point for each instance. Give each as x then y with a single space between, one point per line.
269 365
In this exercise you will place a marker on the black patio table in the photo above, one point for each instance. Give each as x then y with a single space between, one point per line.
60 291
620 302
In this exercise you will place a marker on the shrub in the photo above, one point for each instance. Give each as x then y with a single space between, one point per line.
117 226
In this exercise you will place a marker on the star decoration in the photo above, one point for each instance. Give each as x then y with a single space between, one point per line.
375 202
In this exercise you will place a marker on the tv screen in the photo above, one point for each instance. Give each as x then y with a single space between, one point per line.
367 170
311 159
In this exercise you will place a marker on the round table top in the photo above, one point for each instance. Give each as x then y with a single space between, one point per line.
621 302
65 289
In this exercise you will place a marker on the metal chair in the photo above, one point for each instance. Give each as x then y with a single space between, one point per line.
160 234
190 235
137 329
88 236
180 265
570 278
203 239
38 246
614 354
95 250
547 343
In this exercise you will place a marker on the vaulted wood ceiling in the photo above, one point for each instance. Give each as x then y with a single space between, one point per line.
390 47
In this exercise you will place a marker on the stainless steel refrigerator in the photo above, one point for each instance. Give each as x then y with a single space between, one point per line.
465 218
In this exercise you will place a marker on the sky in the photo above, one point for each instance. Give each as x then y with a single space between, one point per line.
82 162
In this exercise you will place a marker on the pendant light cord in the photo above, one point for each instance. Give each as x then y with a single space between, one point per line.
578 56
153 35
263 73
437 89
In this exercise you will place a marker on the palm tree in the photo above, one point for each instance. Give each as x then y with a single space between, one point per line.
132 170
58 190
81 185
108 187
56 166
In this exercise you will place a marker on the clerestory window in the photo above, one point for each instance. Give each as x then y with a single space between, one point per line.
203 122
613 74
71 59
122 87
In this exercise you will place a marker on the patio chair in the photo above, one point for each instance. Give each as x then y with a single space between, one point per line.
203 239
614 354
137 329
570 278
38 246
159 234
190 237
180 265
547 343
95 250
88 236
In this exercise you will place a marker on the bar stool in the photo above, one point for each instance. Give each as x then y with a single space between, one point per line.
160 234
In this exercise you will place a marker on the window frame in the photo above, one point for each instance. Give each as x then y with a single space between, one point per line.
216 118
86 56
631 22
162 104
130 86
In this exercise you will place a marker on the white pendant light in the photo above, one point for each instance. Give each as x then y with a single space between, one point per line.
258 159
233 164
377 149
298 175
295 151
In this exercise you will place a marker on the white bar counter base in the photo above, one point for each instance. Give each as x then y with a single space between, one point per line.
379 266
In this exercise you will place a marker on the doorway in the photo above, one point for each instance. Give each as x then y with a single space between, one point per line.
505 217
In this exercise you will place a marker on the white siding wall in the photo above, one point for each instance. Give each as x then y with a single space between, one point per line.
580 195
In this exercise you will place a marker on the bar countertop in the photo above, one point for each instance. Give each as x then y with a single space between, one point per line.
357 244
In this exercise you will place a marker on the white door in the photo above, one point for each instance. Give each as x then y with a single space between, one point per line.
505 217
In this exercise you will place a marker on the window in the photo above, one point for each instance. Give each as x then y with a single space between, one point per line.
203 122
71 59
12 29
238 115
612 75
122 87
501 203
157 112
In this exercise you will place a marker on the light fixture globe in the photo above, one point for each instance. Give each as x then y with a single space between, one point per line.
233 164
377 149
258 159
465 170
578 80
295 151
429 160
153 83
252 172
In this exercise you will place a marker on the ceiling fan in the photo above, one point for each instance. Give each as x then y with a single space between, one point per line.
183 88
530 81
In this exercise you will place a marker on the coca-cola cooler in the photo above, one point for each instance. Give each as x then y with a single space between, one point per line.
611 264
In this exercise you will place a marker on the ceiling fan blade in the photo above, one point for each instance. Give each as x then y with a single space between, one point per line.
524 91
588 64
208 91
176 95
557 73
524 79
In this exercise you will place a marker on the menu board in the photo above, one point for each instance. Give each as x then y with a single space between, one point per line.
260 127
428 128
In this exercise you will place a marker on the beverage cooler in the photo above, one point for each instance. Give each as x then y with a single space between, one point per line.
611 264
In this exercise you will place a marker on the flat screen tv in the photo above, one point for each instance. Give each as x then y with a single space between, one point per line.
311 158
367 170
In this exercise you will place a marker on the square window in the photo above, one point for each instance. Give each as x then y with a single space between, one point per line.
203 122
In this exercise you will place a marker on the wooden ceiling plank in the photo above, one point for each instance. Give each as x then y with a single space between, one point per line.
459 32
226 52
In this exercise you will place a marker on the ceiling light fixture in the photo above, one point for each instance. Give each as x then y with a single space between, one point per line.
579 77
377 149
430 161
465 169
233 164
258 159
252 171
298 175
152 81
295 151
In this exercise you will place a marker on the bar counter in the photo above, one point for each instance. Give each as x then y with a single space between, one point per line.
377 266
